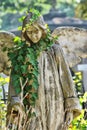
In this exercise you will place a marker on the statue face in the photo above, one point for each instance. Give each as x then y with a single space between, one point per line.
34 33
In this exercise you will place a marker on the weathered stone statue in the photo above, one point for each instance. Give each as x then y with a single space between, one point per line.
57 103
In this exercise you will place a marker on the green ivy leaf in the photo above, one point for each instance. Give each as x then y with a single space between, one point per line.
14 77
21 19
35 72
20 28
17 39
31 59
20 58
34 96
17 86
35 84
28 88
18 90
24 68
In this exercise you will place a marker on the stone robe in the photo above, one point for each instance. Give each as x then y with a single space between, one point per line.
56 92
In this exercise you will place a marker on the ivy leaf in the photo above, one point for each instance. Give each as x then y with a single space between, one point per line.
35 84
20 28
30 55
17 86
16 68
18 90
11 56
29 76
35 72
33 98
21 52
17 39
34 95
31 59
33 62
20 58
24 68
14 77
25 102
28 88
21 19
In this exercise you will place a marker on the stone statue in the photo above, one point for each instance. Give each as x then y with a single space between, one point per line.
57 103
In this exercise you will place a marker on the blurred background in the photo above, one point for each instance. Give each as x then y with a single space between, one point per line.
56 12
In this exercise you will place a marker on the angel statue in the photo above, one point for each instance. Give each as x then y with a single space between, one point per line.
41 93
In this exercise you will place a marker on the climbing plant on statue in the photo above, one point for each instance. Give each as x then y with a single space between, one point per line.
24 64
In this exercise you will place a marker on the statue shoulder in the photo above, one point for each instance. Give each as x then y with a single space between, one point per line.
56 47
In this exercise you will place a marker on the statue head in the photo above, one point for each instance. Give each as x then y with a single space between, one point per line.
33 29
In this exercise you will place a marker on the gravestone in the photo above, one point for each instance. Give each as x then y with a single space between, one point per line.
82 68
84 61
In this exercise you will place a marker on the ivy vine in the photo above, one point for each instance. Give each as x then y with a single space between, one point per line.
24 67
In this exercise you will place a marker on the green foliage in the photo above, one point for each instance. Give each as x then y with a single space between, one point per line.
83 98
81 10
35 16
22 6
11 10
77 78
67 7
80 123
3 81
2 114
